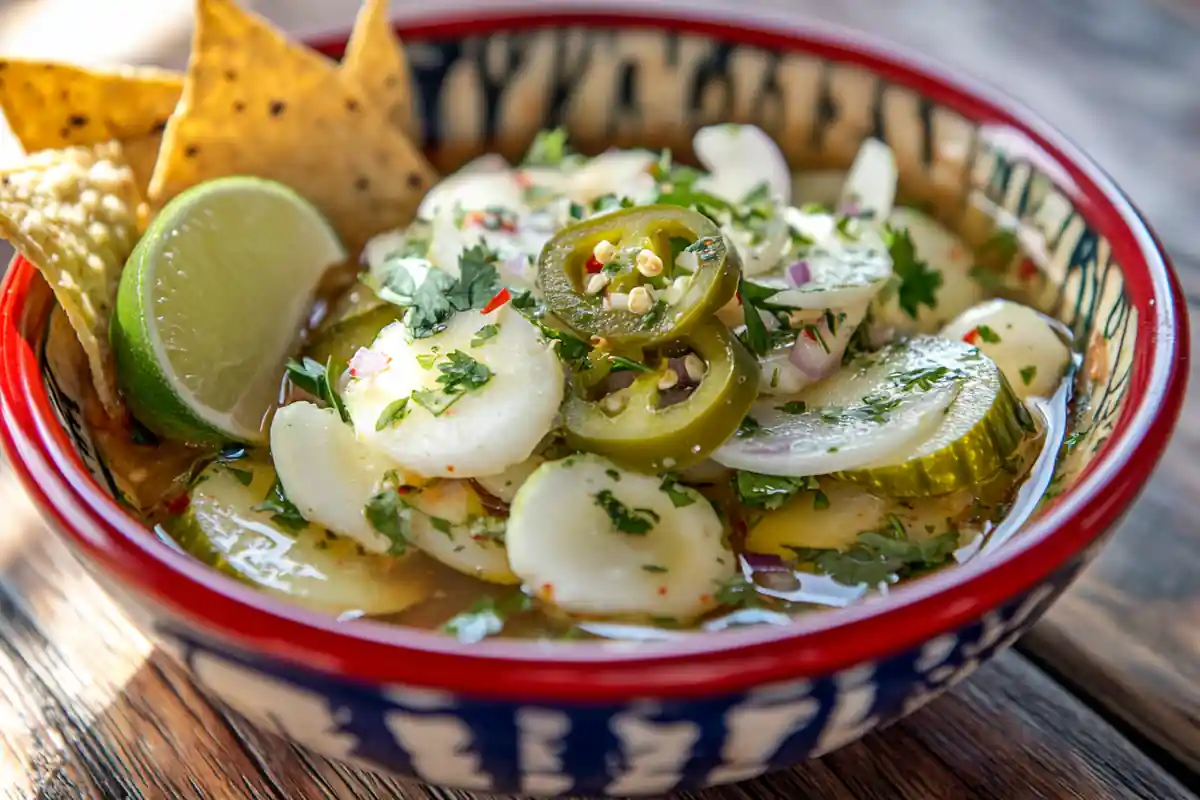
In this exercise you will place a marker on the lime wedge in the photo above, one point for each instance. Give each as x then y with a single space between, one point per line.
211 303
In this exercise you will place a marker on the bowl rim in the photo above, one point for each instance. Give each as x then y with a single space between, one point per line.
224 610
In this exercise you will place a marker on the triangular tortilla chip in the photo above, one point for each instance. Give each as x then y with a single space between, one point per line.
256 104
74 214
375 60
50 106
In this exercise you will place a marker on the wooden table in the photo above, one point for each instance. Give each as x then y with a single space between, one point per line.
1101 700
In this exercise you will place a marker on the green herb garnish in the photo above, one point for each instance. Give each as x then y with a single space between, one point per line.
918 283
392 414
769 491
486 617
548 149
1028 373
634 521
737 592
484 334
282 511
880 557
987 334
318 380
674 490
387 513
793 407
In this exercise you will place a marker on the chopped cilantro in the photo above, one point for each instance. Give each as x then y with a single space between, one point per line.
987 334
610 202
318 380
918 283
572 350
1002 244
880 557
440 295
484 334
653 568
613 475
576 211
486 617
634 521
621 364
427 360
392 414
461 373
793 407
282 510
769 491
1028 373
923 378
738 593
441 525
679 496
753 297
749 427
387 513
548 149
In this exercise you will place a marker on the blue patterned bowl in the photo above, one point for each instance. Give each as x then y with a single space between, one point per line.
600 719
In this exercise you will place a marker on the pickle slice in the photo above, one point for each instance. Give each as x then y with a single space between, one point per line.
980 433
920 417
308 566
355 325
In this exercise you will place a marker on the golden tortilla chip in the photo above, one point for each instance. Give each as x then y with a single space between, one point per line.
50 106
375 60
74 214
256 104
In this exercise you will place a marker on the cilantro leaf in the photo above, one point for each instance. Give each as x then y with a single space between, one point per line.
880 557
918 283
987 334
1028 373
622 364
548 148
318 380
478 281
392 414
753 297
461 373
282 510
634 521
738 593
243 476
484 334
572 350
387 513
769 491
749 427
486 617
680 497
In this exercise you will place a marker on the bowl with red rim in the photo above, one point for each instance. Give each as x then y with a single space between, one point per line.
592 718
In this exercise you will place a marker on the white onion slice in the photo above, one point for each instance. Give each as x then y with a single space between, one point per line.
870 189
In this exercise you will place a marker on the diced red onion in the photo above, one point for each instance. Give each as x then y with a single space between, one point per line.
799 273
765 562
367 363
808 356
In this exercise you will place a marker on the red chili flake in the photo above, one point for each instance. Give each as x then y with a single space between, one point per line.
523 180
1028 270
474 218
547 592
662 591
705 598
449 468
502 297
808 334
738 295
178 505
971 336
593 266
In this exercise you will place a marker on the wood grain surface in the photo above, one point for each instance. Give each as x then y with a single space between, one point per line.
1102 699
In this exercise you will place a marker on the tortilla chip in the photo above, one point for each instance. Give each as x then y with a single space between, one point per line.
50 106
74 214
375 60
256 104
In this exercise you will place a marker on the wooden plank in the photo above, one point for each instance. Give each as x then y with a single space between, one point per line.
91 711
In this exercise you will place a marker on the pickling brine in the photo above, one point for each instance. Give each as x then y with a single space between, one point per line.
626 397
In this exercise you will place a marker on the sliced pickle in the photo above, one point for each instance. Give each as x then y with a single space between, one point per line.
307 566
979 436
356 325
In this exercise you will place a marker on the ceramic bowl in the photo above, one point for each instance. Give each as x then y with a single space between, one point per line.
599 719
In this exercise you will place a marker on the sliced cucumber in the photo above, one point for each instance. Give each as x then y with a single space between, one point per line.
453 527
308 566
979 434
594 539
326 472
